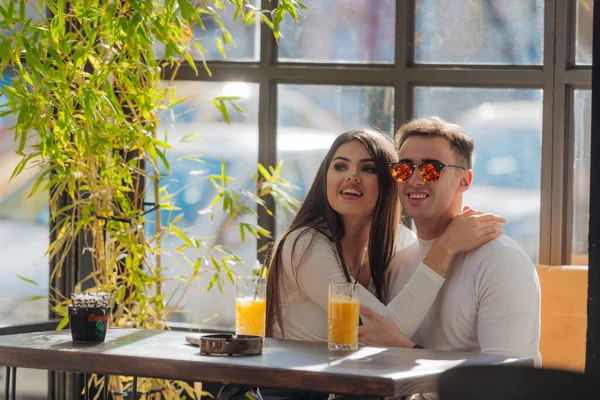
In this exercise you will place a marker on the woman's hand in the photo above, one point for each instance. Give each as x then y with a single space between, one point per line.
469 230
381 331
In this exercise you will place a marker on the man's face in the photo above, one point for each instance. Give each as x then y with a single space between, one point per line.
423 201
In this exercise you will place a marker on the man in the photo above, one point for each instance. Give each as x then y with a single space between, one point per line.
490 301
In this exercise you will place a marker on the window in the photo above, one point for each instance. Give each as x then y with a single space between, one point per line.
19 219
583 41
349 63
24 237
341 31
506 125
310 117
581 178
479 32
491 66
192 192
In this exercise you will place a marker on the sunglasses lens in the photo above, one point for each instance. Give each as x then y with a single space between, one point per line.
402 172
430 172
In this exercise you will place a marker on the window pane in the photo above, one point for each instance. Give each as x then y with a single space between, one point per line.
246 37
24 236
585 27
310 117
345 31
192 192
21 217
479 32
506 125
581 183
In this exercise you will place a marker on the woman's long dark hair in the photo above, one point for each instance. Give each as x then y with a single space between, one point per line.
315 212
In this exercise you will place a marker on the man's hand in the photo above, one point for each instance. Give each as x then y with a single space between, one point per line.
381 331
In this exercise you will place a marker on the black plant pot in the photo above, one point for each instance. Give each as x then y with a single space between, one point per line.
89 325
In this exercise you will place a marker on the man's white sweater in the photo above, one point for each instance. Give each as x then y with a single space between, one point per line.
490 301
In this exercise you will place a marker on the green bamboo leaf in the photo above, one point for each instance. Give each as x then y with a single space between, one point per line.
184 9
164 160
291 9
224 177
227 38
228 98
253 197
219 44
227 203
188 138
215 263
228 270
190 60
152 152
193 157
242 232
63 322
197 265
34 298
212 282
263 232
161 143
238 108
202 51
188 389
266 21
217 198
248 16
10 12
225 113
22 9
4 14
179 233
28 280
37 183
264 173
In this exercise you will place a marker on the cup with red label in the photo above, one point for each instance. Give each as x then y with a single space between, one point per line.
89 314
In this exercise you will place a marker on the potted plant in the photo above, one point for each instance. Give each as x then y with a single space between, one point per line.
87 95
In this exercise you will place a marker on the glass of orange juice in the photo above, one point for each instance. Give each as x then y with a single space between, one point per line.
250 305
343 316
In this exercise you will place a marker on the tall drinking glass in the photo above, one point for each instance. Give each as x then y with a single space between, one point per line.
250 305
343 316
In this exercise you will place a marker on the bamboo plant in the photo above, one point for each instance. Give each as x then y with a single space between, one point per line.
87 95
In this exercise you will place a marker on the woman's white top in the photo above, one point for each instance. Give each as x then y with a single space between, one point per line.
305 284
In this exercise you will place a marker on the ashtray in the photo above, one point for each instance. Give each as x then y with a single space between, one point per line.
227 344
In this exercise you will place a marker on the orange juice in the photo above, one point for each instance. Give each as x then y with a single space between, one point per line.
250 316
343 323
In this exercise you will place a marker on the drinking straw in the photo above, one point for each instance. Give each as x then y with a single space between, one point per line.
362 260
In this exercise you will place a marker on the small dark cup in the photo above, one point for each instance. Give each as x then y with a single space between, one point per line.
89 325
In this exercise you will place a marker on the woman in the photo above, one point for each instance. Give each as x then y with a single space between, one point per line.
352 204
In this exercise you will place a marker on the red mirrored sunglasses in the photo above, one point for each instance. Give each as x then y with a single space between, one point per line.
430 172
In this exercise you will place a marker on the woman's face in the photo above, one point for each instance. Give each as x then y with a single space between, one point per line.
352 186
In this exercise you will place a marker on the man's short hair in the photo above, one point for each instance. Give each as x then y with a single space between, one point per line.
461 143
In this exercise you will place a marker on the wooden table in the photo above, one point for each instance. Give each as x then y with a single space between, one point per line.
375 371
